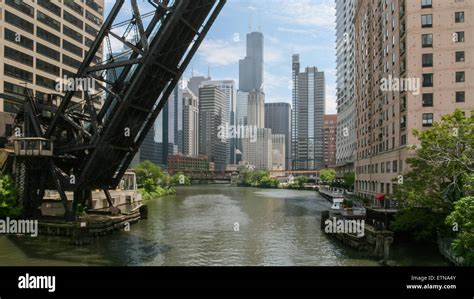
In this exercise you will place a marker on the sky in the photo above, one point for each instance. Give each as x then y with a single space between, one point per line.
305 27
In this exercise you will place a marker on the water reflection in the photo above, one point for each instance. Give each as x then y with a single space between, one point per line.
197 227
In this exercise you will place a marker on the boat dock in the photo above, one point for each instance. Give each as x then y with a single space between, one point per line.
330 193
92 225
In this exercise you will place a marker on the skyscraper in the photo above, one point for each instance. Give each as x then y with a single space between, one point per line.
242 108
168 127
161 135
42 41
190 123
230 91
329 140
149 148
178 117
211 117
259 152
426 43
195 82
256 109
346 132
309 97
251 67
278 151
278 118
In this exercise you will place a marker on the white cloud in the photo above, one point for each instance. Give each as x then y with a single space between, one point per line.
273 55
220 52
306 12
274 84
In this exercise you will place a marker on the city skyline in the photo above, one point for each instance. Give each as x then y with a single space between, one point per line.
220 159
304 27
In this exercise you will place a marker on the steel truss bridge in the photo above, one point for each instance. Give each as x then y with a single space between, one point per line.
93 147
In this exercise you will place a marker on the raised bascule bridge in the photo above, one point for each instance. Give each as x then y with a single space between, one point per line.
80 146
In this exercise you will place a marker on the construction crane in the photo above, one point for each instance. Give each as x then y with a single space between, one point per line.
82 146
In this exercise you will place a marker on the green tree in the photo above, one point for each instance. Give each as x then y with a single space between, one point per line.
149 185
148 170
327 175
440 168
463 218
257 178
8 198
421 223
268 182
349 180
298 182
179 179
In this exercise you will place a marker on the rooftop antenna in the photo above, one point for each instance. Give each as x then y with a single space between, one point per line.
209 71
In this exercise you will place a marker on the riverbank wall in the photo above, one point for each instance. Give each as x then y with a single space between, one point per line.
376 243
88 227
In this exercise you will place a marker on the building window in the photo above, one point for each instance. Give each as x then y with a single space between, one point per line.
426 21
91 30
460 56
460 36
18 73
50 7
382 167
426 3
427 119
427 40
18 56
48 21
427 100
11 107
74 6
24 41
403 140
16 89
21 6
427 80
72 33
460 96
460 77
73 20
71 61
47 67
72 48
47 51
403 123
387 167
427 60
19 22
96 7
395 166
45 82
48 36
93 18
459 17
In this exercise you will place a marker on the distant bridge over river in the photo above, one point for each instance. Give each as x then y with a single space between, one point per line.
227 175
